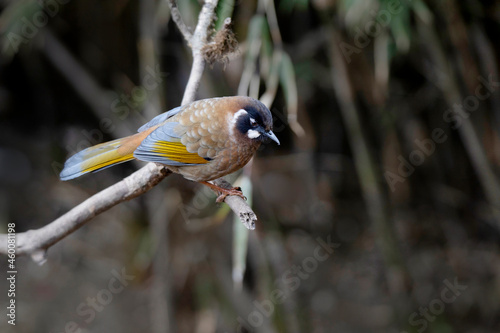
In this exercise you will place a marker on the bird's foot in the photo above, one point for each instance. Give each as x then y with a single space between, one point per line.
224 192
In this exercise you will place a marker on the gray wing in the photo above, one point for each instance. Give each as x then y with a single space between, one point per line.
160 118
164 146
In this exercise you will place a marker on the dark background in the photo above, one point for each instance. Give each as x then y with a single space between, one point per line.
394 158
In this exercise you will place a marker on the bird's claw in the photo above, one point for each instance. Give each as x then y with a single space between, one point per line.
226 192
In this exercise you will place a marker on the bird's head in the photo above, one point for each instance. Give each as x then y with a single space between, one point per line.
254 121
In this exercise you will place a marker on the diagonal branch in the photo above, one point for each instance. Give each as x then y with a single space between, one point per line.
36 242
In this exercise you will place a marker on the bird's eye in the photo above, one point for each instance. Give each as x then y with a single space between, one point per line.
253 122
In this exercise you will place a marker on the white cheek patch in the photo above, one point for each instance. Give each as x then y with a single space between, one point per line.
238 114
234 119
253 134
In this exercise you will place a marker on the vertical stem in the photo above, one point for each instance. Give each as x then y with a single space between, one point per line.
160 299
147 44
365 167
194 79
447 82
198 40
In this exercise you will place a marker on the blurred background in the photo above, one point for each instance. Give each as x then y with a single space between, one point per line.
379 211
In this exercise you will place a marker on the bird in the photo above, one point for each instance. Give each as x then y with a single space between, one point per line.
202 141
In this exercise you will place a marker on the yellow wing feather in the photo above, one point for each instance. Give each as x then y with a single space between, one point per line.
177 152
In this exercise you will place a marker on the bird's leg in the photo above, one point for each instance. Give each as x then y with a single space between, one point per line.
224 192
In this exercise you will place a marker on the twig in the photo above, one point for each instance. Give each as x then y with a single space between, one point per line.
36 242
80 80
176 16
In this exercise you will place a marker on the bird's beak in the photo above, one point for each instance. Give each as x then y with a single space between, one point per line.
271 136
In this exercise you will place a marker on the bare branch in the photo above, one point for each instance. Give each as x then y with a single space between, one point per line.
239 206
197 42
36 242
176 16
